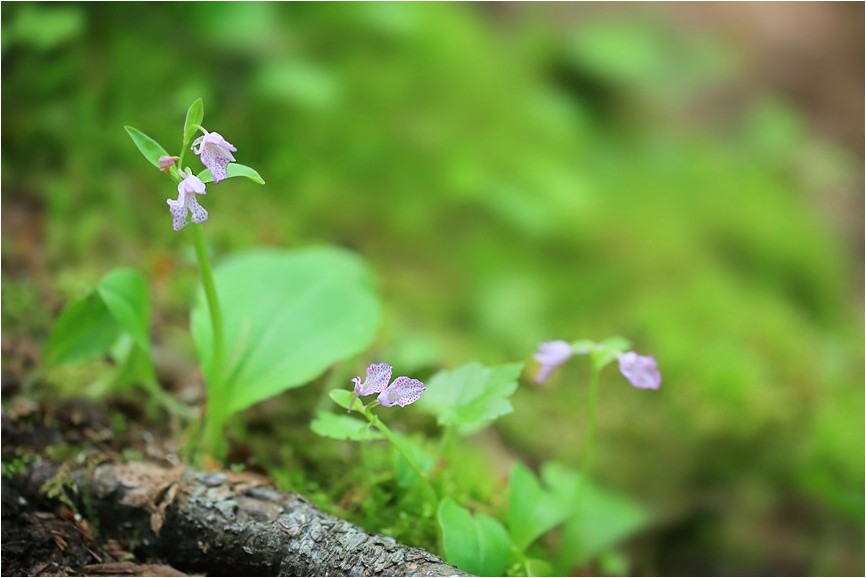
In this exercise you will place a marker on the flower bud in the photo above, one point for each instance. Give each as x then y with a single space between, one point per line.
166 162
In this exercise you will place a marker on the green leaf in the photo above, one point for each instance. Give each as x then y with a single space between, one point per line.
598 519
194 116
536 567
343 397
472 396
124 292
476 544
133 367
234 170
85 330
151 149
288 315
343 427
532 510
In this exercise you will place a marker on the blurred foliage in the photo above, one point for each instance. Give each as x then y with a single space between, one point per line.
511 181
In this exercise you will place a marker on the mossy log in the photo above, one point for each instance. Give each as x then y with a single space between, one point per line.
227 523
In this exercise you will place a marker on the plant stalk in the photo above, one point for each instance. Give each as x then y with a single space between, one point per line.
386 431
586 458
214 413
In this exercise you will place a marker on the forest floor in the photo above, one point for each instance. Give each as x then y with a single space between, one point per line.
43 531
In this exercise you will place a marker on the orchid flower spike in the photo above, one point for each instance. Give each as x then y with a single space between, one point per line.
187 189
642 371
551 354
215 153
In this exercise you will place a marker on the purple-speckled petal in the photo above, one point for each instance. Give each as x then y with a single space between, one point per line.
551 354
641 370
178 211
199 213
218 140
185 203
402 392
215 153
378 376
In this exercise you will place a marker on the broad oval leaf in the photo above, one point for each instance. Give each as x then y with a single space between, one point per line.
288 315
343 427
471 396
194 116
124 292
151 149
532 510
85 330
476 544
233 170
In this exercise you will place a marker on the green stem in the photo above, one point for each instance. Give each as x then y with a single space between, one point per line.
523 559
589 447
563 556
386 431
446 440
181 155
215 415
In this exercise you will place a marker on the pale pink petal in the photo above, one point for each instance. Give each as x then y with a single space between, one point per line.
642 371
199 213
217 139
378 376
178 212
551 354
215 153
402 392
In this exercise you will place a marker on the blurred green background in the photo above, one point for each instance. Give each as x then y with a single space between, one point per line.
690 178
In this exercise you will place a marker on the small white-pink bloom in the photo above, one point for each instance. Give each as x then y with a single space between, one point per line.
186 202
215 153
642 371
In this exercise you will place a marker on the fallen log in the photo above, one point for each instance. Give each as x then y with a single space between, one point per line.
227 523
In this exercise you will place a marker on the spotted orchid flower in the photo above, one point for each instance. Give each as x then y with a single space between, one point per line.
402 392
551 354
378 376
186 203
376 380
215 153
642 371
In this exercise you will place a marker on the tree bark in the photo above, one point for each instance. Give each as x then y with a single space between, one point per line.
228 523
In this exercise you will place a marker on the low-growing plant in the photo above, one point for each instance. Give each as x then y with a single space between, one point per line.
263 321
267 320
591 520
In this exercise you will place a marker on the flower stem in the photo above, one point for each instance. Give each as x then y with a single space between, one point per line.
563 556
589 447
214 419
386 431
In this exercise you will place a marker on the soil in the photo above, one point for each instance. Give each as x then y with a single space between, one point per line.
47 537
